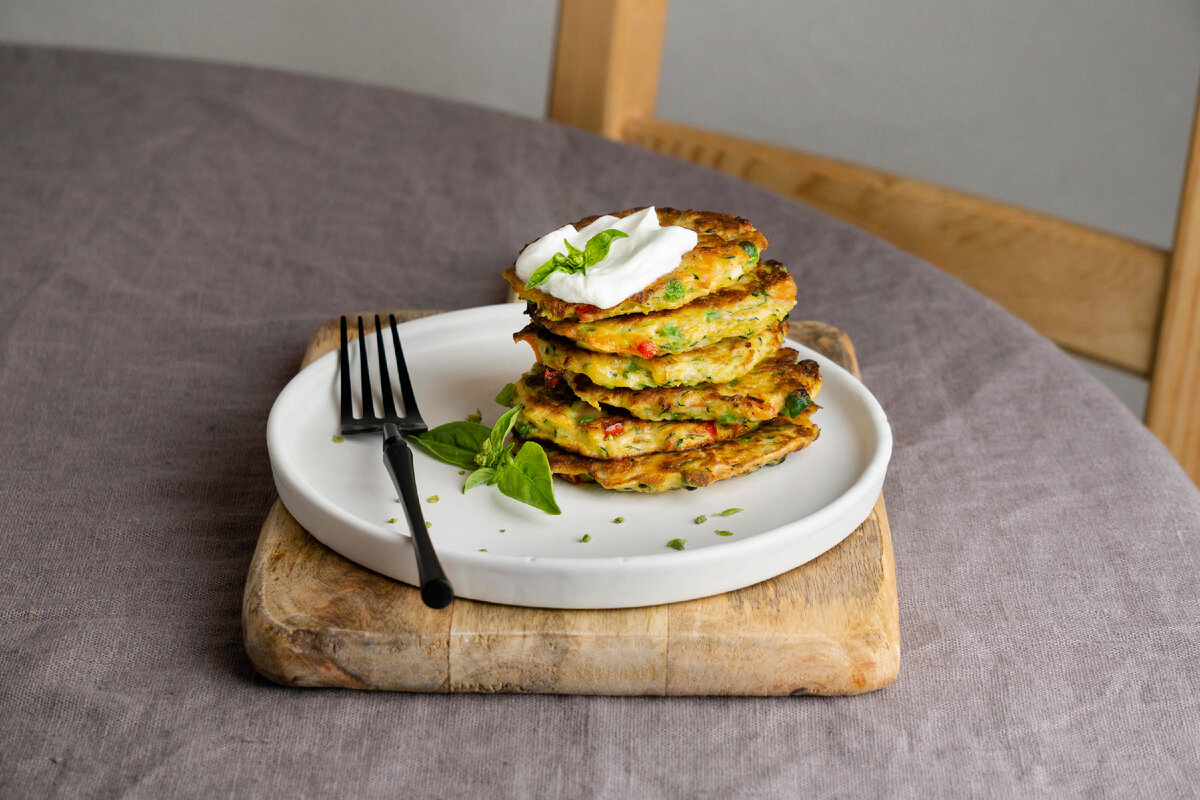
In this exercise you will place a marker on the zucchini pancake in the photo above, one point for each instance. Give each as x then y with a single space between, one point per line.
777 386
762 295
683 382
716 363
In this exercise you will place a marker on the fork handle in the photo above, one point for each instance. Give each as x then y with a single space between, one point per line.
436 590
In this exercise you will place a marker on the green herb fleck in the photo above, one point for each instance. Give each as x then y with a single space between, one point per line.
674 290
677 543
619 520
483 549
428 524
587 537
796 403
584 420
750 250
711 315
700 520
476 417
339 439
433 498
392 521
729 512
576 260
724 533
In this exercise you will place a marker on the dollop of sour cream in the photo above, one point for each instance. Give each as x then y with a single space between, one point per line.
632 263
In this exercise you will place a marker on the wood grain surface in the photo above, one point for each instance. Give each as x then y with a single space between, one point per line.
830 627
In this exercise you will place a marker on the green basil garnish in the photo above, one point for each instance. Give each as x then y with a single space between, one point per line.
576 260
525 477
483 475
455 443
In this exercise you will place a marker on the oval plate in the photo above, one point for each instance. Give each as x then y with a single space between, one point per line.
501 551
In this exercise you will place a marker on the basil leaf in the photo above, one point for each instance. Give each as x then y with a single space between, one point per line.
455 443
528 479
505 397
575 255
540 274
493 451
596 249
576 260
481 475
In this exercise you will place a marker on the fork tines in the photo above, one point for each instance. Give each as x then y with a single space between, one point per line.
410 420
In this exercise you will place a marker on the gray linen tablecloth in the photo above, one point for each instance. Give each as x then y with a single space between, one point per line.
171 234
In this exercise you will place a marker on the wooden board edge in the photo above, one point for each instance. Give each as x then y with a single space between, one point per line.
294 650
281 652
852 662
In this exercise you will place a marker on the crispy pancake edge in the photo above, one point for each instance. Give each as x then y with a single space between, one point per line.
660 472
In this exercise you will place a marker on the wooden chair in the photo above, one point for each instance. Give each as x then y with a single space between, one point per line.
1111 299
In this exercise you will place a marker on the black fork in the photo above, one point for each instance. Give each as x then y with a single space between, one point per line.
436 590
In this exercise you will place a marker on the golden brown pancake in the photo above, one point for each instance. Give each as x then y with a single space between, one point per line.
555 415
776 385
764 295
659 472
717 363
727 247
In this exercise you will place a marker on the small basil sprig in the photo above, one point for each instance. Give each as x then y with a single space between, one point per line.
469 445
576 260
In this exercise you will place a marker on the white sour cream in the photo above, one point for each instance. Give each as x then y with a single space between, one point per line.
632 263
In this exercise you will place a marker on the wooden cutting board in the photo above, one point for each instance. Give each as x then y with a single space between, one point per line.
829 627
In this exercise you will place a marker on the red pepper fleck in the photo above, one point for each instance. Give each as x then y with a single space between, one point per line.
613 429
647 348
551 377
710 428
575 479
584 311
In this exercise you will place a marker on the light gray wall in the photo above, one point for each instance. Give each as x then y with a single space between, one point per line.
1081 108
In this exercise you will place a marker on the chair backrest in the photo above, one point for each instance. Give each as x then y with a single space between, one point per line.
1112 299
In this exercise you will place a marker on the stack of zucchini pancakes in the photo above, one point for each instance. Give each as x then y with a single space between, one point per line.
684 383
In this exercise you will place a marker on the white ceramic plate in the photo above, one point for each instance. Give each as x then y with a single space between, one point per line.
502 551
